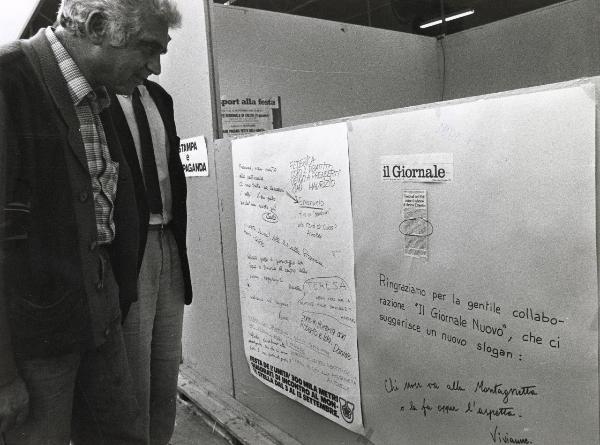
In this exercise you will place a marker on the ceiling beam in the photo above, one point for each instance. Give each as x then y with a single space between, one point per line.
301 5
368 12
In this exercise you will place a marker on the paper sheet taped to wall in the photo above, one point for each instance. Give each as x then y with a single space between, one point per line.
296 267
245 115
194 156
493 338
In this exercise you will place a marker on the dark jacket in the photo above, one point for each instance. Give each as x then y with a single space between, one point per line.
164 103
49 256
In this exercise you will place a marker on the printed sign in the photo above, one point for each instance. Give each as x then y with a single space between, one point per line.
246 115
194 156
425 167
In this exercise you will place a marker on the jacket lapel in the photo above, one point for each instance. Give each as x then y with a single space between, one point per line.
40 53
126 140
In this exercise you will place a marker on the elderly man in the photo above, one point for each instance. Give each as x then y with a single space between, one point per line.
152 330
69 246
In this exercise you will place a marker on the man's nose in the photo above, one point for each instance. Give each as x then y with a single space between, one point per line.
154 64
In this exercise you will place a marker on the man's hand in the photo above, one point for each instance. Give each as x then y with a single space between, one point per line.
14 404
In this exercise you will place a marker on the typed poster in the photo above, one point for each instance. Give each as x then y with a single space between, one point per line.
245 115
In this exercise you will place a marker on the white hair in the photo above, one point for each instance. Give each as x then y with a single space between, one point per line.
124 18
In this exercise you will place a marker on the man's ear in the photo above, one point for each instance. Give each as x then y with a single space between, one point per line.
96 27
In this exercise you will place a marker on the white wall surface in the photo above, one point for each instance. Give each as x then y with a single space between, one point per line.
553 44
186 75
14 16
321 69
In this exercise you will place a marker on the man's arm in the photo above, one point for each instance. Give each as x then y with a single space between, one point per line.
13 393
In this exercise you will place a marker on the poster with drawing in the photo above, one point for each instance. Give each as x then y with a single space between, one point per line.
296 267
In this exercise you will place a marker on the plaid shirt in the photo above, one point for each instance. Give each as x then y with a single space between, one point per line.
103 170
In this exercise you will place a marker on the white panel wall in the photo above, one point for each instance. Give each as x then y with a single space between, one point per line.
321 69
186 75
325 70
557 43
14 19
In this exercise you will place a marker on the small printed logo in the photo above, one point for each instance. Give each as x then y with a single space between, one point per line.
347 410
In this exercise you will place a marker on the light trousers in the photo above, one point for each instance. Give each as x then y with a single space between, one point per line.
152 333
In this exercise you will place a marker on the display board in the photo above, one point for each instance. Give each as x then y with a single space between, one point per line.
296 267
475 271
491 336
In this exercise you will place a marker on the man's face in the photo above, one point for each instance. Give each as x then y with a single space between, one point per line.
123 68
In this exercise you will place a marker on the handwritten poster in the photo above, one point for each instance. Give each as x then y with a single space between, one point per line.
493 337
296 267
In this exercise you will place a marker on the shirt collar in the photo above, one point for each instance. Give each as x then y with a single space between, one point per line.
141 88
79 87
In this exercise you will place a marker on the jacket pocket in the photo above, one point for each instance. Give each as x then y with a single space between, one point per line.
56 328
57 310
